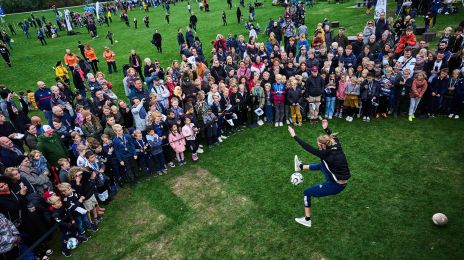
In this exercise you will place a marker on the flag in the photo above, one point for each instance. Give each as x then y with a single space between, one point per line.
67 18
97 10
380 7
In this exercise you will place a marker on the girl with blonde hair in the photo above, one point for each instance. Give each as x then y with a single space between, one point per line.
333 165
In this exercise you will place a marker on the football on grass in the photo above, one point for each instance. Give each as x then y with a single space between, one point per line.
440 219
296 178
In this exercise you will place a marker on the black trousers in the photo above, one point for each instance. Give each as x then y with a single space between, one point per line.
112 67
94 65
130 166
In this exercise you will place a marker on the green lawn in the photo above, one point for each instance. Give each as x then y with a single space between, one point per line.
237 202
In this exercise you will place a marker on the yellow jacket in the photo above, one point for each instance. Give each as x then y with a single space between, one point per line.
61 72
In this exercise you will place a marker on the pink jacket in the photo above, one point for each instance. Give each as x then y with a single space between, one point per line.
341 89
177 142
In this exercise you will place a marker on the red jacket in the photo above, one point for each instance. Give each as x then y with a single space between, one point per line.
405 41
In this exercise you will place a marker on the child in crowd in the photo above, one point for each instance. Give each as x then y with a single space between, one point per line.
38 162
72 201
209 120
341 94
177 143
67 225
418 88
268 104
142 150
156 150
81 160
293 98
278 92
189 131
351 103
64 169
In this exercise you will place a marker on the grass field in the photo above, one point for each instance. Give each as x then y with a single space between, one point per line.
237 201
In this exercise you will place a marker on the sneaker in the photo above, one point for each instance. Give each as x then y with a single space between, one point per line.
348 118
410 118
48 252
340 115
303 221
223 137
194 157
276 124
456 117
330 117
200 145
281 124
94 228
165 171
413 117
66 253
199 150
220 139
288 122
320 117
368 119
364 118
451 116
300 124
297 163
351 119
295 123
171 164
82 239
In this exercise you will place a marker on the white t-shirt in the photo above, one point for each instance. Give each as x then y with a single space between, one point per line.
407 63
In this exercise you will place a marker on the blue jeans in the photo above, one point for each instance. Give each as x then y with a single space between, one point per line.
323 189
329 106
80 220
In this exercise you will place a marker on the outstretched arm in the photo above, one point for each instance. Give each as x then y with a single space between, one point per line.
305 146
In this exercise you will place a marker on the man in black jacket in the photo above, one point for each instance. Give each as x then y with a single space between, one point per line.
193 21
314 87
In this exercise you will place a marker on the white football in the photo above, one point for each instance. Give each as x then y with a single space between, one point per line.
440 219
296 178
72 243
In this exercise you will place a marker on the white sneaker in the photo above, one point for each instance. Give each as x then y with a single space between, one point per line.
199 150
456 117
288 122
450 115
364 118
281 124
320 117
330 117
348 118
303 221
297 163
368 119
220 139
351 119
223 137
200 145
276 124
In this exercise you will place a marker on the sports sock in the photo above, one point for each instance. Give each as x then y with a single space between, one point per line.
307 218
301 166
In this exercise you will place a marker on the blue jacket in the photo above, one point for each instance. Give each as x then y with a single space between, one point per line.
42 98
155 145
347 60
121 144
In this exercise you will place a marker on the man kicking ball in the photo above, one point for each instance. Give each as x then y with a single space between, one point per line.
333 165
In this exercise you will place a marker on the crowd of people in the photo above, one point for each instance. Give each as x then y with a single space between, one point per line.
65 166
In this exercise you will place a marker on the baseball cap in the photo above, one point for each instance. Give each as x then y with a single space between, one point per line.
314 69
47 129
